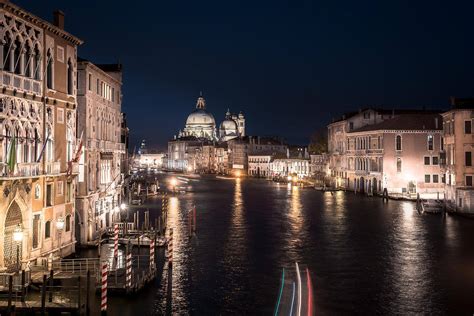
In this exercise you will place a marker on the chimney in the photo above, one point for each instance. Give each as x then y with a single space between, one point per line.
436 122
287 152
58 19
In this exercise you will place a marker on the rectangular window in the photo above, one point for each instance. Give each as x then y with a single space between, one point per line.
68 192
435 160
49 195
60 115
441 147
443 178
113 94
427 160
427 178
467 127
60 53
435 178
468 156
60 188
98 86
351 126
430 142
469 181
90 82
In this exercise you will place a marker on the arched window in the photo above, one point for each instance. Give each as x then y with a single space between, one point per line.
430 142
36 146
398 142
26 145
70 142
70 75
49 70
47 229
18 56
49 145
68 223
37 64
7 51
28 60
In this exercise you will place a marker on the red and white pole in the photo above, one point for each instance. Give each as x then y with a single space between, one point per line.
103 304
152 254
116 235
170 247
128 272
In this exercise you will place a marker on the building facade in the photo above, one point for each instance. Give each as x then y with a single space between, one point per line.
401 155
457 160
38 136
319 169
99 188
259 165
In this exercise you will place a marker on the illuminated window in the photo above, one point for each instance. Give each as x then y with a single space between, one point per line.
430 142
398 142
399 165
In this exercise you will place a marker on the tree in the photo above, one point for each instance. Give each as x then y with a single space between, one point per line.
319 142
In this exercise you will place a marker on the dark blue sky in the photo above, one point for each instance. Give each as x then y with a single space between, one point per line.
290 66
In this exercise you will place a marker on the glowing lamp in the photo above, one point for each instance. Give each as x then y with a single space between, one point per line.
18 234
173 181
290 178
237 173
123 206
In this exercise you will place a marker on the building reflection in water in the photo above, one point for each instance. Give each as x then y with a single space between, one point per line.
410 258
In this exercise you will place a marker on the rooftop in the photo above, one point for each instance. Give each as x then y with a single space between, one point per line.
407 122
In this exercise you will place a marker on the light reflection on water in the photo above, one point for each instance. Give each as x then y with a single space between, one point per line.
365 256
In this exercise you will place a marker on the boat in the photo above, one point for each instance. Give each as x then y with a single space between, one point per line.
432 206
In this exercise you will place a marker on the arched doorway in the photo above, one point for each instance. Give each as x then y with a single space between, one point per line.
12 220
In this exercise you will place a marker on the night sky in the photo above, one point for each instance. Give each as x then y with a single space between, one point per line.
290 66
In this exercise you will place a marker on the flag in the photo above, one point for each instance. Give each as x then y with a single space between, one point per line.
42 149
12 156
76 157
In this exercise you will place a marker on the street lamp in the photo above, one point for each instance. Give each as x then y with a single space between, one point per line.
173 183
18 237
60 227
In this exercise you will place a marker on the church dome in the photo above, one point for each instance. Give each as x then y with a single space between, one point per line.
228 127
200 117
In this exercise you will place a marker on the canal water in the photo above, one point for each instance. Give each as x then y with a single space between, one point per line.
364 256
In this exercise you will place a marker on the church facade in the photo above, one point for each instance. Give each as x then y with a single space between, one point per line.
200 132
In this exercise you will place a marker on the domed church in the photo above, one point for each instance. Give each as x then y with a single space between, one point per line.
201 124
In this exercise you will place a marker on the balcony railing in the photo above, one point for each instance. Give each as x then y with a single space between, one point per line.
20 83
53 168
31 169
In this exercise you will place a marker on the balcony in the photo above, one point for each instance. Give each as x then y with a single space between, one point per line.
20 83
31 169
52 168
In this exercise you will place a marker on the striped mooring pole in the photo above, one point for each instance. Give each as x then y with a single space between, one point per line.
170 247
152 254
103 302
128 268
116 235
